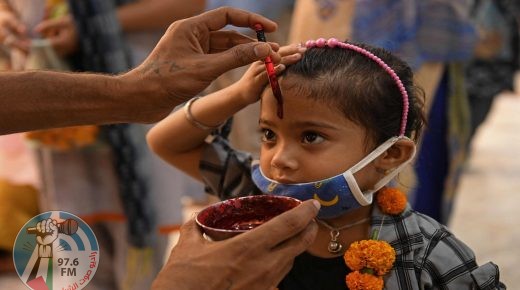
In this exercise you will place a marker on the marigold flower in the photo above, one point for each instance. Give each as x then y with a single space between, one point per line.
391 200
360 281
371 259
376 255
65 138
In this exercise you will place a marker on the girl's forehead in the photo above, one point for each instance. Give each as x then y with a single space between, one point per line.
300 98
299 110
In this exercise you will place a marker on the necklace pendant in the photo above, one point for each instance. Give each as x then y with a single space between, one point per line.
334 247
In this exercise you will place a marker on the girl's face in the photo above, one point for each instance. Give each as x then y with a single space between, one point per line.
312 142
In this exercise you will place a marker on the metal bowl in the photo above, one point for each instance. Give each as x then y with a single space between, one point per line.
231 217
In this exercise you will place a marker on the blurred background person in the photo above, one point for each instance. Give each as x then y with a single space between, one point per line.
107 175
495 60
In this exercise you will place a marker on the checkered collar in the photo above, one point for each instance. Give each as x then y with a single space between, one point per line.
401 231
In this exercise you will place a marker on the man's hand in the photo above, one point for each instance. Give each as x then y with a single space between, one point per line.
194 52
253 82
256 260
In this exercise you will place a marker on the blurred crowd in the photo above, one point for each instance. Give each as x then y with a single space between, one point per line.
463 52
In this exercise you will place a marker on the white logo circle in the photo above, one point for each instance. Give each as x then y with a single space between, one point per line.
56 250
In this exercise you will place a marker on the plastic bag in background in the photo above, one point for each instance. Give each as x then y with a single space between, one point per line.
42 56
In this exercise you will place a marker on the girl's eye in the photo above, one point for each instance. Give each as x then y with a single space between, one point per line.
312 138
268 135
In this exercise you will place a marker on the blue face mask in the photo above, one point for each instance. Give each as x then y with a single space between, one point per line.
337 195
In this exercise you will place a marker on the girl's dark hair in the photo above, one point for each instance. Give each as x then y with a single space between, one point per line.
360 88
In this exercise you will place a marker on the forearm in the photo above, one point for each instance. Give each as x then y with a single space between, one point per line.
179 142
38 100
156 14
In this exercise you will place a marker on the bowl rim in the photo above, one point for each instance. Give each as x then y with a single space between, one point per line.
237 198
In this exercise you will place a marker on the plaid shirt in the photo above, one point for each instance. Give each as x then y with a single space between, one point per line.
429 256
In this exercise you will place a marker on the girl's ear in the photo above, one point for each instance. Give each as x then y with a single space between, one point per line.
395 155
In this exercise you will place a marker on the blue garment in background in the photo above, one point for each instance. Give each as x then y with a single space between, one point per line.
268 8
432 161
417 30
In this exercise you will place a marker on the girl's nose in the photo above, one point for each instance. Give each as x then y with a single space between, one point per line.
284 157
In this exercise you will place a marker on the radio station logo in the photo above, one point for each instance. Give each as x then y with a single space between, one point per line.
56 250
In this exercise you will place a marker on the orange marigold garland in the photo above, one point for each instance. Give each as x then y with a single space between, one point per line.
391 200
371 259
65 138
376 255
361 281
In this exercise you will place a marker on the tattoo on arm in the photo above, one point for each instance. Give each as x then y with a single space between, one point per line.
175 67
152 65
156 64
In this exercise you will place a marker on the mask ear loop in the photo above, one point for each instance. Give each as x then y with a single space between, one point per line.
365 198
385 180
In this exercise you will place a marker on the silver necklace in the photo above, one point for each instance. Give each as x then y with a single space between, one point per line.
334 245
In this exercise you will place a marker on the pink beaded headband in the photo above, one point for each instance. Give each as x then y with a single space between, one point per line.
333 42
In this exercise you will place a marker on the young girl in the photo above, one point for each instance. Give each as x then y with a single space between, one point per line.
350 113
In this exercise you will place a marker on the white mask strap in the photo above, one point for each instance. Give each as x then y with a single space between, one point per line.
365 198
392 174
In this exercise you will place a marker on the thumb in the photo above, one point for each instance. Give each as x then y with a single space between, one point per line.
239 55
190 232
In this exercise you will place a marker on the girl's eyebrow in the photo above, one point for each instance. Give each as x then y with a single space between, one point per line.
265 122
315 124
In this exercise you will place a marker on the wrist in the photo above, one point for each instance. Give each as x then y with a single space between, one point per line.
144 100
241 94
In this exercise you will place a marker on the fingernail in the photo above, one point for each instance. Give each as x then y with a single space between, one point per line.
316 204
262 50
302 49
